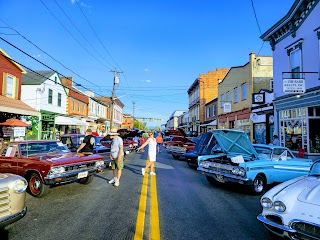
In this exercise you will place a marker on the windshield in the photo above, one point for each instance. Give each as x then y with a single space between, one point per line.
264 153
315 170
42 147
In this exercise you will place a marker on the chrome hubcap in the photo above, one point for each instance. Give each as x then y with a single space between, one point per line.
36 184
258 185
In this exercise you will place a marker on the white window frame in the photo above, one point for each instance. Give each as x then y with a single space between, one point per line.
59 97
50 90
295 51
11 95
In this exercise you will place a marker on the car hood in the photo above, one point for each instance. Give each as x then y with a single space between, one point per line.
232 141
66 158
310 190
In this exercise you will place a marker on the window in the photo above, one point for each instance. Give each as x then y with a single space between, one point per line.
55 80
59 99
295 63
244 91
271 85
207 112
50 96
73 105
10 86
228 99
235 95
78 107
214 110
222 100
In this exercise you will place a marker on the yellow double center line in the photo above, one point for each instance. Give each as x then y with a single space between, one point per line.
154 232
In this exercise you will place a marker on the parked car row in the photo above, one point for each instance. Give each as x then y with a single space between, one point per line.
290 209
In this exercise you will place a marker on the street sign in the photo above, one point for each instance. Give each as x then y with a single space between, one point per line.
294 85
227 107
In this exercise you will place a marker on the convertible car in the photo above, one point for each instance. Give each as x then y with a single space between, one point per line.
47 162
292 209
235 159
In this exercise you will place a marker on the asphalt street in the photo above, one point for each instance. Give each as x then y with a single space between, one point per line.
184 206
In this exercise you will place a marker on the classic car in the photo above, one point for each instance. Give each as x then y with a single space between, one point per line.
128 143
236 159
292 209
178 149
73 141
12 195
203 147
47 162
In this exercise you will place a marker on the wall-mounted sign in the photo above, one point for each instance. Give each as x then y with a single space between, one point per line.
294 85
258 98
227 107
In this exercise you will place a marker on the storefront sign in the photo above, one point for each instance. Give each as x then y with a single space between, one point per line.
227 107
258 98
294 85
19 132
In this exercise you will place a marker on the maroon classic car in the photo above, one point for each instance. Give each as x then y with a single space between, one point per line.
47 163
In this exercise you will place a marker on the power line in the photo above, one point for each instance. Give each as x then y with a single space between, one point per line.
255 15
73 36
18 33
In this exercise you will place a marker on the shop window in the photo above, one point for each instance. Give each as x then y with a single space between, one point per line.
50 96
244 91
235 95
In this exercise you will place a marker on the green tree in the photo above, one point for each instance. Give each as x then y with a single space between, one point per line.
32 131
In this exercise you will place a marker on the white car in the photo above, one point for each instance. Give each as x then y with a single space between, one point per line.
292 209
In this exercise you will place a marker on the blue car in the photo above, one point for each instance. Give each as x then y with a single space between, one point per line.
235 159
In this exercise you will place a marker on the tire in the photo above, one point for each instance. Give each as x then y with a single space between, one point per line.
86 180
258 185
190 165
175 157
36 187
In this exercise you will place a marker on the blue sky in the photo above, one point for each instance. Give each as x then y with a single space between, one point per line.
161 46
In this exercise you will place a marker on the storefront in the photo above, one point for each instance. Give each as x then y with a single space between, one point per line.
208 126
298 123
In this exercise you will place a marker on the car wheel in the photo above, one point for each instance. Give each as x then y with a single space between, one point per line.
36 187
175 156
86 180
258 184
211 179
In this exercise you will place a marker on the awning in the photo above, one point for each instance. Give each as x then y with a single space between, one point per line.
11 105
61 120
212 123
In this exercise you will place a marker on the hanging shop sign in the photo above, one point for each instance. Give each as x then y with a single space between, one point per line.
19 131
294 85
258 98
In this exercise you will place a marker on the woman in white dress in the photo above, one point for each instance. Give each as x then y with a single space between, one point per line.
152 153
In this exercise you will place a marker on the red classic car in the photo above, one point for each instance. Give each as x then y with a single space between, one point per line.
179 147
46 163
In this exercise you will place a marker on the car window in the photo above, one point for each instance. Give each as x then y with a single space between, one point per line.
263 153
42 148
281 154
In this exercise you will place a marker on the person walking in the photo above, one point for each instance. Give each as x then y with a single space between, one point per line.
116 156
152 153
87 143
159 140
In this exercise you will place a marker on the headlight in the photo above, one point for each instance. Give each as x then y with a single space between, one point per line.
57 170
279 206
242 172
266 203
235 171
20 185
99 163
204 164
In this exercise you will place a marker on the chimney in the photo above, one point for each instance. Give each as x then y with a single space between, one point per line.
67 81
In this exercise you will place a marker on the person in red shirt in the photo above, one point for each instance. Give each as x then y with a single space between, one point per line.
159 140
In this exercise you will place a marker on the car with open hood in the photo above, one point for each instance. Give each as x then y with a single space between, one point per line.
292 209
235 159
45 163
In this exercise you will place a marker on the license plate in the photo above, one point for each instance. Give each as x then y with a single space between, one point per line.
82 174
220 178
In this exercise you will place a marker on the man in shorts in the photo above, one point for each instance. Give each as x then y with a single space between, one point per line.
116 156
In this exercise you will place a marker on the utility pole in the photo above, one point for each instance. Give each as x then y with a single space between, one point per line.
115 82
133 103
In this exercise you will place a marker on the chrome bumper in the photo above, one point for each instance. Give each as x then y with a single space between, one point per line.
268 222
227 177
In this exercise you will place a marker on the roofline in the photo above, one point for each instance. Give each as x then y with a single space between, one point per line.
16 64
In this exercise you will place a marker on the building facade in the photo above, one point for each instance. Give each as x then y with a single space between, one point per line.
235 92
295 41
211 114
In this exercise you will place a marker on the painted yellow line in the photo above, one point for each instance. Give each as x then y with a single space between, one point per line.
142 209
154 213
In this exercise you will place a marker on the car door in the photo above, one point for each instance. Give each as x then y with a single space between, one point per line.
8 159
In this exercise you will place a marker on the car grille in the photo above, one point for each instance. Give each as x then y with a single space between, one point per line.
220 170
4 202
79 166
277 220
306 231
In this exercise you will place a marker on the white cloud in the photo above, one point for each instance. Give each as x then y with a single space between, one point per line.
148 81
146 70
73 1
